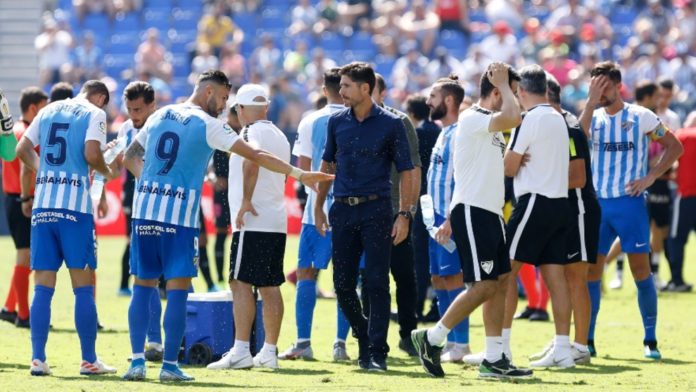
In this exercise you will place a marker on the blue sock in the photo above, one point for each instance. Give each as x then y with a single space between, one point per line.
595 288
647 302
172 367
443 302
137 320
154 325
174 323
342 324
86 322
305 301
40 320
461 330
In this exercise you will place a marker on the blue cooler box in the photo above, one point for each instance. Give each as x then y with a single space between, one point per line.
210 327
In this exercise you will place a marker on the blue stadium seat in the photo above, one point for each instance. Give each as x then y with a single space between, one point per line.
331 41
273 21
157 18
65 4
179 39
114 64
384 66
128 22
185 18
181 64
159 3
455 42
122 42
190 4
362 42
180 88
624 16
541 13
98 23
478 16
247 21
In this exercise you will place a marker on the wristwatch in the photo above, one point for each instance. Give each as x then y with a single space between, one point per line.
405 214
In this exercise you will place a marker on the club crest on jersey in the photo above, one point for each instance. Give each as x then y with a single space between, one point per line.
227 128
487 266
627 125
102 127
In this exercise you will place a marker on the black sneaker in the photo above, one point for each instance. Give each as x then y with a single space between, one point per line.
539 315
377 365
502 368
428 354
364 364
406 345
394 316
591 348
363 353
523 315
431 317
22 323
8 316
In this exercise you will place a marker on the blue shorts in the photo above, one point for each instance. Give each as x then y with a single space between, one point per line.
627 218
62 235
160 249
442 262
315 250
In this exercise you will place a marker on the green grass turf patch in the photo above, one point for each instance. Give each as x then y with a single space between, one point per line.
620 364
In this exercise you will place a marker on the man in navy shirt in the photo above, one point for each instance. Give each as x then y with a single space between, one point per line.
362 142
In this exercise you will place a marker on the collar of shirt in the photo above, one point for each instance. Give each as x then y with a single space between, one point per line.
374 111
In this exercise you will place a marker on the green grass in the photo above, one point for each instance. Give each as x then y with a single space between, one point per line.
619 366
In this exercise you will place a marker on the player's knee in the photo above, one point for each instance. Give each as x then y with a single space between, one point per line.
306 274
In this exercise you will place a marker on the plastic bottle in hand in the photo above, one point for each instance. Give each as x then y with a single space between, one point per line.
109 156
426 202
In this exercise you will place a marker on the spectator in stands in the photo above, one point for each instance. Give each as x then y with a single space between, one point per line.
559 65
215 28
53 46
296 60
328 17
152 57
651 65
534 41
683 71
453 14
666 93
354 13
603 29
267 58
422 24
567 18
304 16
387 22
84 7
88 59
233 64
661 19
508 11
163 93
316 68
204 61
472 67
684 28
442 65
501 46
409 73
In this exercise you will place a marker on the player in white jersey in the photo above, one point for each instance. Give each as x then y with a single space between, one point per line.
169 157
71 134
620 134
446 95
477 224
315 250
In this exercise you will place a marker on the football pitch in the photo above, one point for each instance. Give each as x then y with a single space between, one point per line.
619 366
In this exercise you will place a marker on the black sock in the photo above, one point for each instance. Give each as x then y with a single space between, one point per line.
220 255
125 268
203 265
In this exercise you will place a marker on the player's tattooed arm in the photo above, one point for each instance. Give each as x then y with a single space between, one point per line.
133 160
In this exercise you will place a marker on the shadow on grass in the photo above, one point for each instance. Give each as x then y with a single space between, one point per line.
303 372
13 366
401 362
667 361
102 332
594 369
186 384
392 373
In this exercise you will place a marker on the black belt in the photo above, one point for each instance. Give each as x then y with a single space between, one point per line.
355 200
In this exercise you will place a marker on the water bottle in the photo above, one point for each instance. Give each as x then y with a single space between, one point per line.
428 212
98 181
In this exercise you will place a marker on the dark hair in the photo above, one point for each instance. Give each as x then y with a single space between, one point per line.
217 77
533 79
645 89
553 90
416 106
487 87
450 87
320 102
233 110
61 91
608 69
360 72
95 87
138 89
666 83
332 80
31 96
380 83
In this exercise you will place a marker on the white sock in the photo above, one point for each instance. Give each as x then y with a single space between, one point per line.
269 349
437 335
339 341
494 348
655 258
580 347
173 363
240 347
461 346
138 356
561 346
302 340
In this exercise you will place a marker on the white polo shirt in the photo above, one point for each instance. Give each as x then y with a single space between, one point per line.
543 135
269 194
478 162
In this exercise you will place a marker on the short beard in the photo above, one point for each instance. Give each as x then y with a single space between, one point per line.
438 112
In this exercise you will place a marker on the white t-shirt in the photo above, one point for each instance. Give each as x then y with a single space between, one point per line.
670 119
269 194
543 135
478 162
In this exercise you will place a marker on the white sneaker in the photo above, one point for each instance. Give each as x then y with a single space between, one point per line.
232 361
659 284
542 353
98 367
555 359
264 360
39 368
474 359
580 357
456 353
616 283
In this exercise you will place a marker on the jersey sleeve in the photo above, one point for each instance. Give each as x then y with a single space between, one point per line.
33 132
575 141
651 125
96 130
330 147
219 135
522 137
303 145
